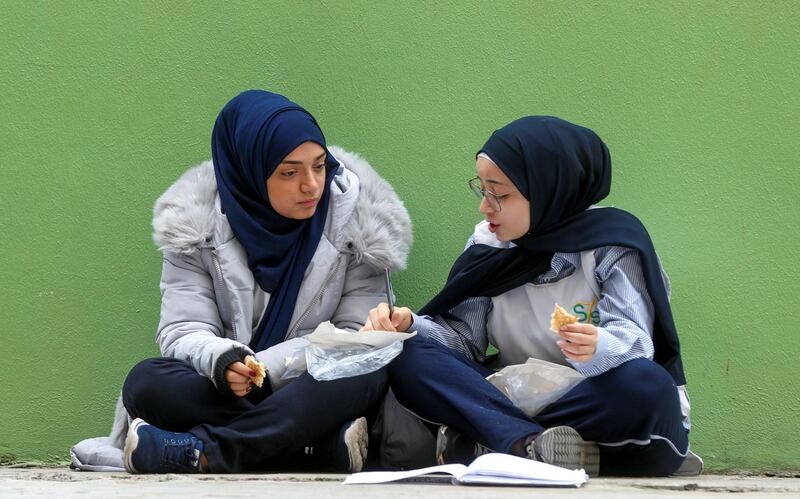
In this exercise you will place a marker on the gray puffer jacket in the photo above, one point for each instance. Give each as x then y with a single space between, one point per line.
211 303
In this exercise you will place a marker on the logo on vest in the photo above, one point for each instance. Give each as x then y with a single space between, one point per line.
585 312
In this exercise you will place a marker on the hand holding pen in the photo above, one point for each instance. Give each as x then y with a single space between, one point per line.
385 317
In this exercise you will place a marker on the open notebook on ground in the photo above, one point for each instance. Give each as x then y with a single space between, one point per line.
489 469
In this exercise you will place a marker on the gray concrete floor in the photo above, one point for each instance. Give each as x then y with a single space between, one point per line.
62 482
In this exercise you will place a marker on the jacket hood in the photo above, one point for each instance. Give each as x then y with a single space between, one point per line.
186 217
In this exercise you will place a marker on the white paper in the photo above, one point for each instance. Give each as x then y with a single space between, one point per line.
456 470
326 335
489 469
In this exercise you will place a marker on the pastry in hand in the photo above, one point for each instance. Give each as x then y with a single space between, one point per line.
258 368
560 317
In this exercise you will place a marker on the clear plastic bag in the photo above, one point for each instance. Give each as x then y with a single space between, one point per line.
344 361
295 363
335 353
536 384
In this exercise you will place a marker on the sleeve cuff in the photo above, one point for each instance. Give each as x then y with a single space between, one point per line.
235 354
420 324
594 366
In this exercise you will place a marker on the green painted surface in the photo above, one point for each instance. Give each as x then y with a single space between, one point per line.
104 105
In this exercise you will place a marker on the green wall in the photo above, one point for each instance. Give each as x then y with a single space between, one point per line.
105 104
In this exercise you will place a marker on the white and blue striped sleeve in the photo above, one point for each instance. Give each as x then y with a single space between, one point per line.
625 311
462 329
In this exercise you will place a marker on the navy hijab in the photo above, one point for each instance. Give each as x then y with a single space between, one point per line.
253 133
562 169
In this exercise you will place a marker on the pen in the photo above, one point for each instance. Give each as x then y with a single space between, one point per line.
387 277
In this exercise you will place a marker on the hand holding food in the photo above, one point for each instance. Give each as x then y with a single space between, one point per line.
560 317
256 367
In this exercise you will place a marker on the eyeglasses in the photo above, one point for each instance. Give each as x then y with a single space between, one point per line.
492 198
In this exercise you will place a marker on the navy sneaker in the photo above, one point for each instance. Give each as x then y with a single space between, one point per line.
455 447
152 450
344 452
563 446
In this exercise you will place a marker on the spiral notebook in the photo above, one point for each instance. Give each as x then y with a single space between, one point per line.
489 469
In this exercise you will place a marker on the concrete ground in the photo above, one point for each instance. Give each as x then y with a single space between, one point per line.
63 482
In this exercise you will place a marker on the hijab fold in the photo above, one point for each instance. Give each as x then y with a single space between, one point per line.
253 133
562 169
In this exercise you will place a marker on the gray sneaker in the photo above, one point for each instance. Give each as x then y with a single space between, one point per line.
691 466
342 452
563 446
355 437
454 447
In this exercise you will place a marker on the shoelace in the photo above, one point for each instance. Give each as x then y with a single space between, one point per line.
481 450
530 452
180 454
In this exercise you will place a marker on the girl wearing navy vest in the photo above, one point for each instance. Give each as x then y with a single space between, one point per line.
543 241
276 236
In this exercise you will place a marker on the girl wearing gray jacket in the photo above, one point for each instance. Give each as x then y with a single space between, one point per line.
278 234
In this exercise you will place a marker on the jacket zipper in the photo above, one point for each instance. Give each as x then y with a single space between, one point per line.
225 290
319 294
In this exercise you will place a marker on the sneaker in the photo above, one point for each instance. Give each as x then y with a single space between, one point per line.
345 451
455 447
151 450
563 446
692 466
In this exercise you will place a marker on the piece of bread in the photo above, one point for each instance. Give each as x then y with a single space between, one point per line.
258 368
560 317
